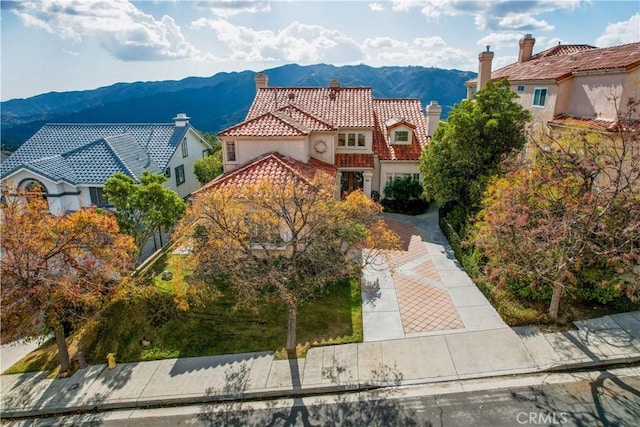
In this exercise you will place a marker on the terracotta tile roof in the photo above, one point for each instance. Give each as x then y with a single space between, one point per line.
273 167
407 110
289 120
558 63
586 123
346 160
563 49
268 124
338 107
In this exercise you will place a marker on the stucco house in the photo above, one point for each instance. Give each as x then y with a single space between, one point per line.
71 162
574 86
366 142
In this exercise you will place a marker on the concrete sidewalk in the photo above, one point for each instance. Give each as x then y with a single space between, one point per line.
421 360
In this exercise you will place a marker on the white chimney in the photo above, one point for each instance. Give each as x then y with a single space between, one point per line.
181 120
433 117
334 83
526 48
484 67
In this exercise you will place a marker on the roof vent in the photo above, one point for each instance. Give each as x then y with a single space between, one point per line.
332 95
181 120
292 96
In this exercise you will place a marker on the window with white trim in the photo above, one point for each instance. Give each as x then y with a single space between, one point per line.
401 136
539 96
231 151
351 139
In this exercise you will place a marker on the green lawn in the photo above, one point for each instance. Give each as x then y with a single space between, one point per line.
334 316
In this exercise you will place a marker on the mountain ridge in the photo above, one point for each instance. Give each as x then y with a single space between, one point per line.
218 101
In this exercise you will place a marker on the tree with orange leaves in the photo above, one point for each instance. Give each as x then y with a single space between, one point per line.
282 241
56 270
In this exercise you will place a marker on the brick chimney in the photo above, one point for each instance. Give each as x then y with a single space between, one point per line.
181 120
526 48
334 83
433 117
261 79
484 67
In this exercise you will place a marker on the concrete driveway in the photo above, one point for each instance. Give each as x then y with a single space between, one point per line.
422 290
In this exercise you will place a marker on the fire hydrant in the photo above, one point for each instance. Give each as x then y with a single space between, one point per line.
111 360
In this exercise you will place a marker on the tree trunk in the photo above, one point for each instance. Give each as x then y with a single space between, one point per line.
292 311
63 351
554 307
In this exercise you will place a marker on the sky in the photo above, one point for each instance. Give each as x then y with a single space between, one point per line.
65 45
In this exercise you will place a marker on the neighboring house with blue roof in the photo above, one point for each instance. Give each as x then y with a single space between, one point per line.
71 162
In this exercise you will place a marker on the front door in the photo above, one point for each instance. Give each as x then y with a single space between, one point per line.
351 181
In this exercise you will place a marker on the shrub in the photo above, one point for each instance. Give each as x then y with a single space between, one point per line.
404 195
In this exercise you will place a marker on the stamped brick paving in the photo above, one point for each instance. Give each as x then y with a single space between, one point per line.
423 307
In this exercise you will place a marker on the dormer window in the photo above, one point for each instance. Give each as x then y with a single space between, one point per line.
401 136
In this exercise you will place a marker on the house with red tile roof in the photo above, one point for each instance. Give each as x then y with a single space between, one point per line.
363 141
570 86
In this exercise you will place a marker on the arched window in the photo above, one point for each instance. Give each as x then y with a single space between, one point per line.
34 187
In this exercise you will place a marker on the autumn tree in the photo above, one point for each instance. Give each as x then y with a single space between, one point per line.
56 270
143 208
569 223
466 150
282 241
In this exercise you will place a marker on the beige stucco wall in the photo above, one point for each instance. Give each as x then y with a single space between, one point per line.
540 114
595 95
250 149
395 166
331 139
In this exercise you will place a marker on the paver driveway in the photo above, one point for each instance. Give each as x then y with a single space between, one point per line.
422 289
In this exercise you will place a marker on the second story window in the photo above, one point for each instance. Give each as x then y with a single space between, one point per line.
401 136
180 178
185 148
539 96
351 140
231 151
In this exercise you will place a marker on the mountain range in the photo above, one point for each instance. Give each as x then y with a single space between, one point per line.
217 102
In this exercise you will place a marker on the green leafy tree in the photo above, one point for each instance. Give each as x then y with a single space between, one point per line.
282 241
144 208
208 168
467 149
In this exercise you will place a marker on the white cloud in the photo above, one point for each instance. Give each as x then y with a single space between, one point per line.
524 23
427 52
377 7
121 29
493 15
621 32
228 8
500 40
301 43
